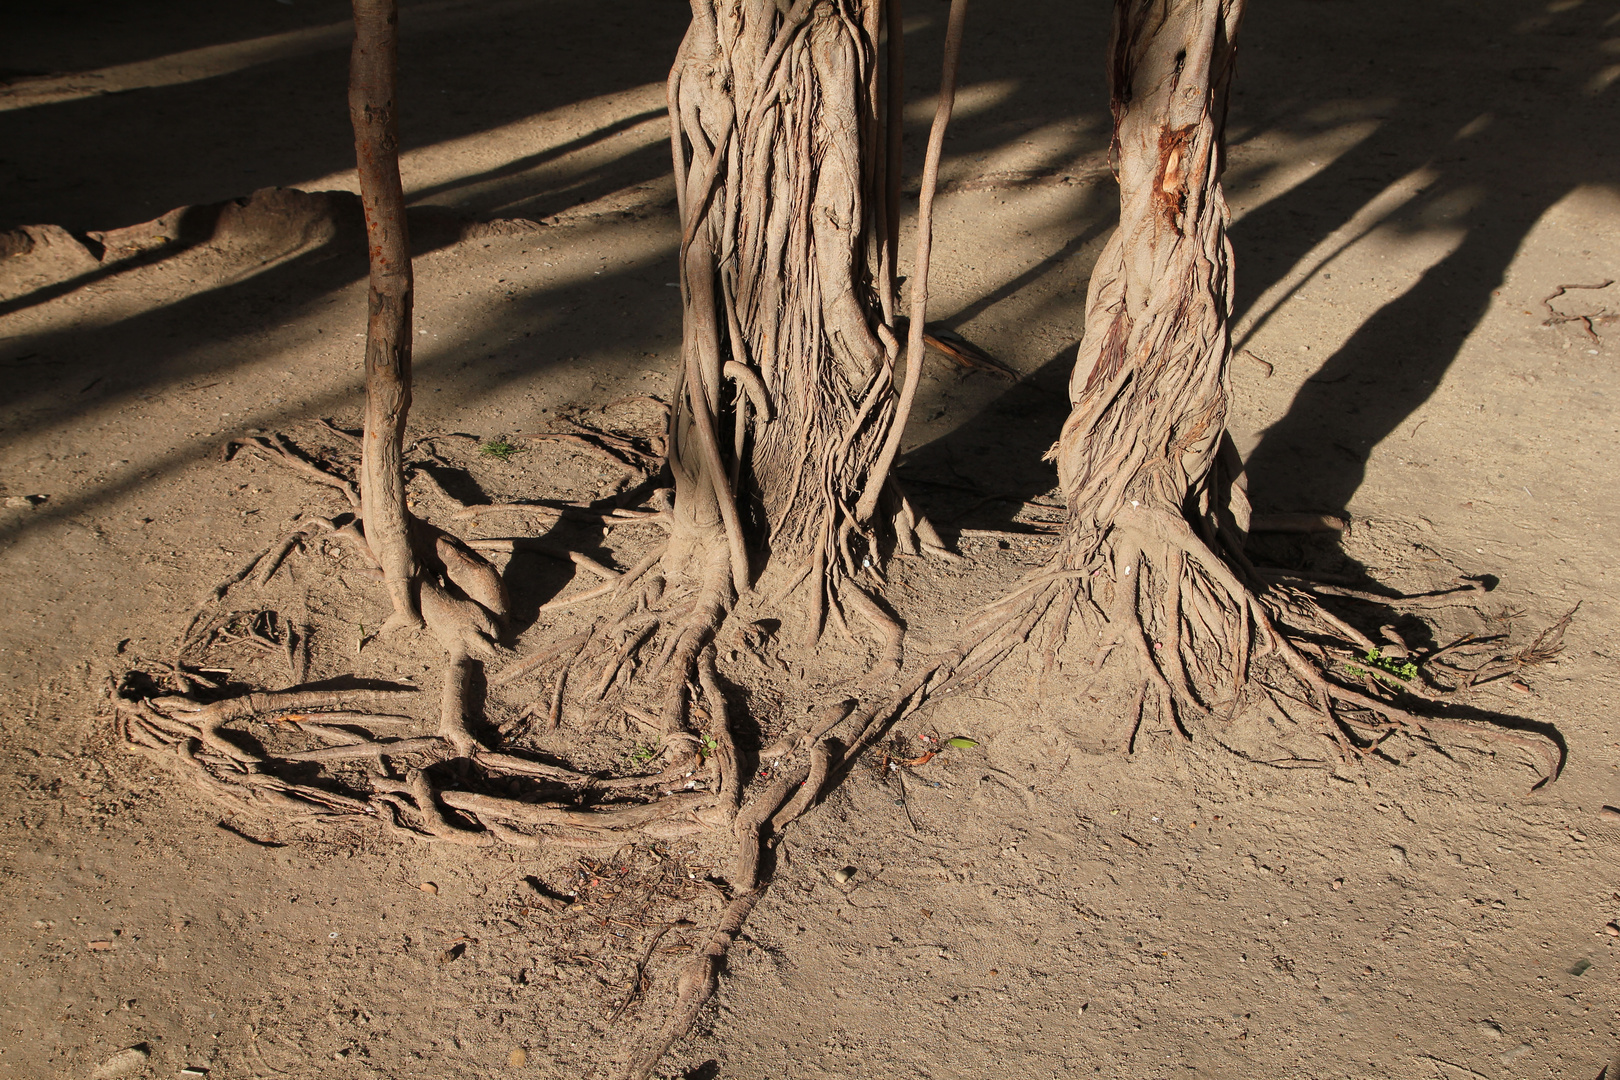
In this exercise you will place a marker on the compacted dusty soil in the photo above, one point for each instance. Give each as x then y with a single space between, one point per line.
1411 185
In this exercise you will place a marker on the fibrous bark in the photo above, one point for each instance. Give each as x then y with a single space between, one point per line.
1149 389
784 166
1151 527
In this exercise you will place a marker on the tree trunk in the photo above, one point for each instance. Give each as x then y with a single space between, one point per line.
372 79
785 172
1151 567
1149 390
1137 459
432 578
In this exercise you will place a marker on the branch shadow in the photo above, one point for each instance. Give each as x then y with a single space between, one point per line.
283 122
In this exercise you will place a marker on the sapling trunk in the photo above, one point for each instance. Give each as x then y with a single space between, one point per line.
373 69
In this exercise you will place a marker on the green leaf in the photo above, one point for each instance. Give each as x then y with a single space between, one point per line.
962 742
501 449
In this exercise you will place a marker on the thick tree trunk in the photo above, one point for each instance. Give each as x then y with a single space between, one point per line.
785 172
1149 390
372 79
1151 535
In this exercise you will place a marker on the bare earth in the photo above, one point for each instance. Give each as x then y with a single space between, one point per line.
1409 182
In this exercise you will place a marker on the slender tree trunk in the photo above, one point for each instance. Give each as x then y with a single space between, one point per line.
373 69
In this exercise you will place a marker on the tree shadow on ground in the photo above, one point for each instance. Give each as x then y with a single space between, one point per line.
1488 168
465 68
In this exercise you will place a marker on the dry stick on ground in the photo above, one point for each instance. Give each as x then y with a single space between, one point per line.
1554 318
1151 558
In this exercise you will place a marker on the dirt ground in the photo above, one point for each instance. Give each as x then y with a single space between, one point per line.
1410 183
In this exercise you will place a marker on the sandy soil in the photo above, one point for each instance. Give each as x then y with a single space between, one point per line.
1409 182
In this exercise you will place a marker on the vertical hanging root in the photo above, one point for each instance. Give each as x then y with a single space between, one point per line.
925 238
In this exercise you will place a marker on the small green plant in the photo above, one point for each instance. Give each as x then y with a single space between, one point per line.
642 753
1382 667
500 448
707 746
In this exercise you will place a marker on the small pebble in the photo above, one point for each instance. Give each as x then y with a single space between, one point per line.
843 875
1609 813
1612 929
1338 883
1518 687
518 1058
99 946
429 887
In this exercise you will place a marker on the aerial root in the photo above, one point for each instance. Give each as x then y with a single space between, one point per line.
195 737
205 617
616 586
528 664
890 633
276 448
788 795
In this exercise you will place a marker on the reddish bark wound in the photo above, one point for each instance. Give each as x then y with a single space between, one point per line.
1170 186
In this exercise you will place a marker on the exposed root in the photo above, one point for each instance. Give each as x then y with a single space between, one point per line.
1204 647
695 986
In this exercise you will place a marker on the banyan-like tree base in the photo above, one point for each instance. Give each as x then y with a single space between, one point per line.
1204 639
1203 643
644 654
